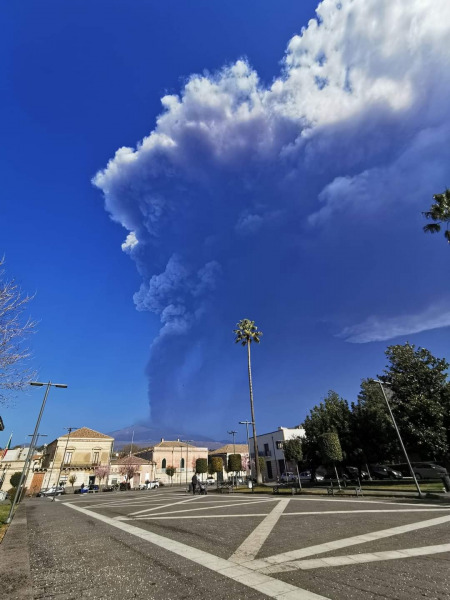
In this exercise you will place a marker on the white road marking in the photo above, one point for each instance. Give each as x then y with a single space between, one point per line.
353 559
288 558
176 512
251 546
257 581
368 511
138 512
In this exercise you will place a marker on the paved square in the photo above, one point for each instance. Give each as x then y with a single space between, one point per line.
299 547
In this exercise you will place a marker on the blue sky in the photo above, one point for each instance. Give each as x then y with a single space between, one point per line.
170 168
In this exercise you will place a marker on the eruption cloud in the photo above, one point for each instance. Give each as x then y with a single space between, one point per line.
242 192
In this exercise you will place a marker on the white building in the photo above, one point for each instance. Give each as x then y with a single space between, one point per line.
270 447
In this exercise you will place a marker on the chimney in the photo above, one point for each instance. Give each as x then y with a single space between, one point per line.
162 439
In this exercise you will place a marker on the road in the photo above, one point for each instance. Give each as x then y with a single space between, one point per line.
166 544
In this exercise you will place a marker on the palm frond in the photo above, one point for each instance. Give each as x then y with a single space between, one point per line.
432 228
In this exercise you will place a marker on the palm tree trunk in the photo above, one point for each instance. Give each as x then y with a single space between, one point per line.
255 443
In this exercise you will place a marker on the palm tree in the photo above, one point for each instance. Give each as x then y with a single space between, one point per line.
246 333
440 213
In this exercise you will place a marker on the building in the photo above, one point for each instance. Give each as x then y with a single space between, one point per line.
225 451
76 455
13 461
131 469
270 447
178 454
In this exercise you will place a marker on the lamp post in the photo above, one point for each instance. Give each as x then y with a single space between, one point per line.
421 495
33 442
69 429
233 433
187 442
247 423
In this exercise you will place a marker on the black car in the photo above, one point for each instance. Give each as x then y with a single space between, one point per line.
353 473
384 472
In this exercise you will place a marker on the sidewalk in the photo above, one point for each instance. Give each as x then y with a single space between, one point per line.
15 577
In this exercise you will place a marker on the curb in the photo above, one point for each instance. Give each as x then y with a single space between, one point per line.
15 573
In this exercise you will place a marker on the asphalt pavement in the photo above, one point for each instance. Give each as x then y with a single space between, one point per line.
167 544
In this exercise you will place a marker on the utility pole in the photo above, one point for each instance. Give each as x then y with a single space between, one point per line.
69 429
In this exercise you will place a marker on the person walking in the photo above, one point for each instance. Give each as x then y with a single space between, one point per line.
194 482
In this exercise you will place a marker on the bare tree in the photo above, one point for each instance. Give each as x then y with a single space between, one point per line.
14 373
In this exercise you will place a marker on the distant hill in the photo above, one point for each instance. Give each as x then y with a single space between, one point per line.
148 435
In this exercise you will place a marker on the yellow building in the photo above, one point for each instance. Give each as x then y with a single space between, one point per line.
77 454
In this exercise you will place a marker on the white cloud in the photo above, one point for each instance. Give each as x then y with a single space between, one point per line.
355 69
130 243
378 329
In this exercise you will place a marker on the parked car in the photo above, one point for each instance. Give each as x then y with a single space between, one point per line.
384 472
55 490
288 476
306 476
353 473
210 481
422 470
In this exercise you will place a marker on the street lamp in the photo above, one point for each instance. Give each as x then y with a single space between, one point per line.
33 443
233 433
247 423
399 436
187 442
69 429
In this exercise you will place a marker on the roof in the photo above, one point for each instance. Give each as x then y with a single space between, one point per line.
85 432
231 449
167 444
133 460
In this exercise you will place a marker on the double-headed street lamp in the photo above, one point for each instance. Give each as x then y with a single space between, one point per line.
399 436
33 443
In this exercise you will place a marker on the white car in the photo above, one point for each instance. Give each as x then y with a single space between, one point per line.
149 485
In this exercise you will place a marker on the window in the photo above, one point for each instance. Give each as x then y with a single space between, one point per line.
96 457
182 463
68 457
164 463
266 450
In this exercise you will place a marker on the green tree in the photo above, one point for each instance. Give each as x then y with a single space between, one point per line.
201 466
332 414
170 472
439 213
262 465
371 426
215 466
293 450
330 450
15 479
246 333
234 463
129 449
419 397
